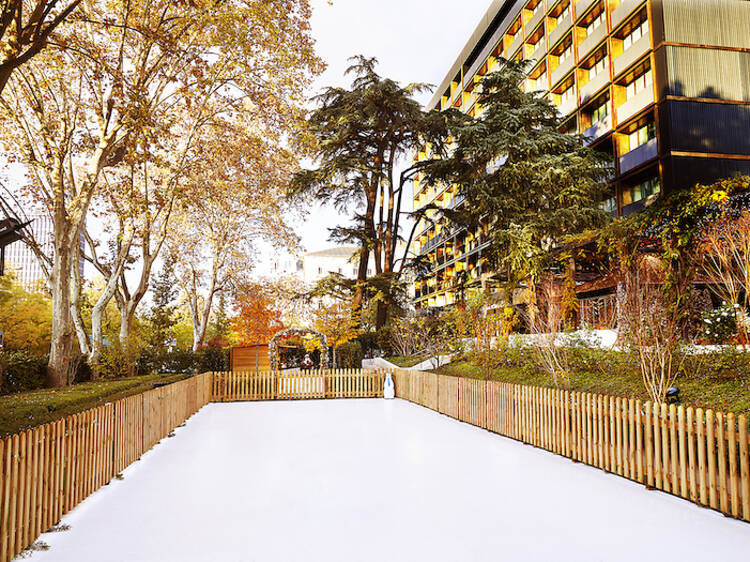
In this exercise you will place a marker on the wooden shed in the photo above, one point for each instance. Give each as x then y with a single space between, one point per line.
250 358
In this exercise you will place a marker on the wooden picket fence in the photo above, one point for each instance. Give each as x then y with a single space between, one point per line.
297 385
48 470
698 455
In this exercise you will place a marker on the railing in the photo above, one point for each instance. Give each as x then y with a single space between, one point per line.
699 455
48 470
280 385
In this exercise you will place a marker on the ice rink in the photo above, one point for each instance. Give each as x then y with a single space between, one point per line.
361 480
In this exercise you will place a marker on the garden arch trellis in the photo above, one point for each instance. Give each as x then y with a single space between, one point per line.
273 354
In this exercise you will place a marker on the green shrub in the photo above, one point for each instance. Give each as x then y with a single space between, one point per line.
349 355
719 326
183 361
369 343
22 371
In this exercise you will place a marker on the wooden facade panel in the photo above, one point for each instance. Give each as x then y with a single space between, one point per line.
720 23
703 73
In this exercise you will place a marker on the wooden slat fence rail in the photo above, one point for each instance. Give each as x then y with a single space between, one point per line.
699 455
48 470
296 385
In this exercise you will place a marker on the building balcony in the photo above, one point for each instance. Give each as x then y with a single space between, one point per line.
594 85
456 95
563 25
591 41
583 5
456 201
562 70
536 17
567 107
635 104
515 45
598 129
632 54
638 156
622 11
540 49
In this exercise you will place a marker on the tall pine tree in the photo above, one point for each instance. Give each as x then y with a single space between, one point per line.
364 133
161 318
529 184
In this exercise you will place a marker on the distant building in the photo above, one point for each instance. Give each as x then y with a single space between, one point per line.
339 259
22 260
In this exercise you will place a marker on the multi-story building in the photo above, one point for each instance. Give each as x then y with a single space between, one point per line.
661 85
22 260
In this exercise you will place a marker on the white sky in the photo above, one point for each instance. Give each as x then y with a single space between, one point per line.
413 40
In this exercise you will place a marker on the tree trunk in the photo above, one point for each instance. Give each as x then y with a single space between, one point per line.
62 341
381 316
364 254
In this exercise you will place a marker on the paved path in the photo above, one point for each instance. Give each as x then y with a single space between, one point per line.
361 480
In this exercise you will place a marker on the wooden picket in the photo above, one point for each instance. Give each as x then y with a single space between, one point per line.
296 385
447 395
48 470
699 455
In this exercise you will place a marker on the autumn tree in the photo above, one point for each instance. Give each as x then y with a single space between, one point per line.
25 316
339 322
213 240
256 318
364 133
26 28
107 96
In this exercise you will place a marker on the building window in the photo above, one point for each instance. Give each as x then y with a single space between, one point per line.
540 83
609 205
641 191
566 54
639 83
599 66
567 95
595 23
600 112
641 136
564 13
320 270
636 33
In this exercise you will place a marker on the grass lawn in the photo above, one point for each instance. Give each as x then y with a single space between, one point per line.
405 361
722 393
24 410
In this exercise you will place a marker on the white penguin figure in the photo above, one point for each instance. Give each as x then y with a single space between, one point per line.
389 391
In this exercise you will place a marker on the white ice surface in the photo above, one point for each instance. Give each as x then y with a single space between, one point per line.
356 480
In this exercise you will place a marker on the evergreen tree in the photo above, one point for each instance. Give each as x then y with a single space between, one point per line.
529 184
363 134
219 329
161 318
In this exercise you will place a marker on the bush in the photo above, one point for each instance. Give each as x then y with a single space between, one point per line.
183 361
21 371
369 343
212 359
719 326
349 355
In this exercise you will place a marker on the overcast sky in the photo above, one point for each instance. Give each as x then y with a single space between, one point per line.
413 40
